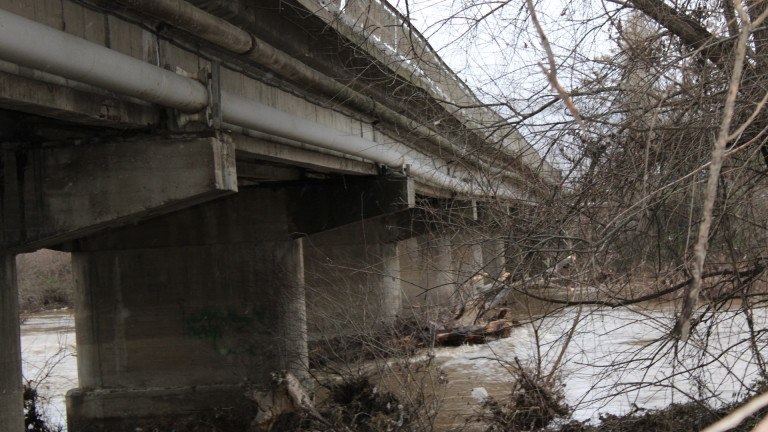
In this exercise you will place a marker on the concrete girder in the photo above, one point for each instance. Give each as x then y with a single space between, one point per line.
255 145
52 194
62 102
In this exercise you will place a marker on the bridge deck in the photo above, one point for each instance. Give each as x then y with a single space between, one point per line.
390 88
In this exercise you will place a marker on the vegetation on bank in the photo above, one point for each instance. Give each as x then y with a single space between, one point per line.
35 419
687 417
537 404
45 280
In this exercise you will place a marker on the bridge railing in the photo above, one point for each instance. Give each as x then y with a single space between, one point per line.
388 35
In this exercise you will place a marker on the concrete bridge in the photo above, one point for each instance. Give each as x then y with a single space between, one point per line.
231 177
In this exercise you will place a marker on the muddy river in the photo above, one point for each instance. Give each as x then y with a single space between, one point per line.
616 361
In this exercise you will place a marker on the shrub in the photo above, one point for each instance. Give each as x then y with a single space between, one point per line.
533 404
34 413
45 280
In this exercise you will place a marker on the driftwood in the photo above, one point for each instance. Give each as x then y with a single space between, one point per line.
473 310
474 334
286 396
465 327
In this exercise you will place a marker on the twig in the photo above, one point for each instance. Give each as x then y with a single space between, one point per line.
737 416
551 73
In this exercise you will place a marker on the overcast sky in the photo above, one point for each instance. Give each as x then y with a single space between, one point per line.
500 54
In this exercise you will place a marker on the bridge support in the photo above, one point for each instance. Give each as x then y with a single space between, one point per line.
438 271
352 276
180 317
426 279
11 405
467 256
494 258
54 193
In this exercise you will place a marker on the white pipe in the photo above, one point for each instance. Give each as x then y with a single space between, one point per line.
29 43
181 14
253 115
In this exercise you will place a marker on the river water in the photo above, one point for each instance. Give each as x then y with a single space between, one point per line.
618 360
48 359
611 351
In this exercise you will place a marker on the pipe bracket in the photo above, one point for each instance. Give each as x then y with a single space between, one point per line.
210 116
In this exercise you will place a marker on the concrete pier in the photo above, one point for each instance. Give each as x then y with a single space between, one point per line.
352 279
11 404
438 271
426 278
180 317
494 257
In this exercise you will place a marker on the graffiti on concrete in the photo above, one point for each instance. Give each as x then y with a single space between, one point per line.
228 331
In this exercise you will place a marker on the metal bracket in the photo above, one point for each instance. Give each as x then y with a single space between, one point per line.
210 116
214 94
401 171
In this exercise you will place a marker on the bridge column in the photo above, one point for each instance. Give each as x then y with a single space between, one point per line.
352 278
426 278
494 258
178 318
467 256
11 404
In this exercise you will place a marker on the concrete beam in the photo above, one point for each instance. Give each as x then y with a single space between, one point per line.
274 149
55 194
258 173
65 103
11 405
329 204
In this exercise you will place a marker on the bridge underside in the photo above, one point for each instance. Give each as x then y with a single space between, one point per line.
207 253
192 291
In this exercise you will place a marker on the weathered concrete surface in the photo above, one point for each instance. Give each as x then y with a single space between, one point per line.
494 257
352 279
426 274
11 405
52 194
466 255
179 316
439 271
53 99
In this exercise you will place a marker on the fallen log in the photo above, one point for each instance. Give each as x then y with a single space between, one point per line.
484 299
475 334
